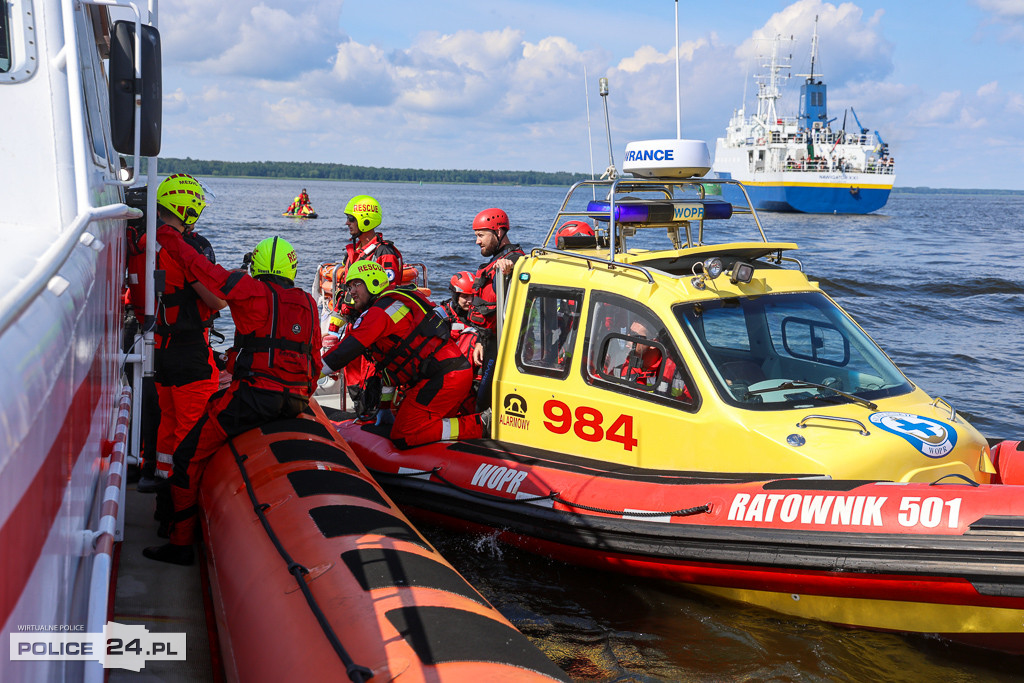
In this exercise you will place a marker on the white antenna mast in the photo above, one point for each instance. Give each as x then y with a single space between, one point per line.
590 134
679 115
676 158
609 172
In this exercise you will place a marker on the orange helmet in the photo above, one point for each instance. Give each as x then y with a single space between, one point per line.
462 283
491 219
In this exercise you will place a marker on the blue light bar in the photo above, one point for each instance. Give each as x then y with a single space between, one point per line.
663 212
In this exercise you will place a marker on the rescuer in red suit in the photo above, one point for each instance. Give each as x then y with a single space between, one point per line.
363 216
400 333
644 366
185 374
464 334
274 364
456 313
491 229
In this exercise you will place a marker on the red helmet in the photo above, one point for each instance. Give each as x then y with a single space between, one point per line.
570 228
491 219
462 283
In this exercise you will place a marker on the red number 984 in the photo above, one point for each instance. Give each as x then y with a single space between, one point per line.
588 424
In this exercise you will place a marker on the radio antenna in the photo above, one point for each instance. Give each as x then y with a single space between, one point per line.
609 172
679 114
590 133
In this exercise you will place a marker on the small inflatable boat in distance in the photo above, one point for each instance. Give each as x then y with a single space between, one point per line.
317 576
305 212
702 412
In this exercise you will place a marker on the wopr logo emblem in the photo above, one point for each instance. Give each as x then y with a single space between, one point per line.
929 436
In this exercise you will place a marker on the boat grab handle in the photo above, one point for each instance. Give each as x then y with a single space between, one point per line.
591 260
952 412
966 480
863 430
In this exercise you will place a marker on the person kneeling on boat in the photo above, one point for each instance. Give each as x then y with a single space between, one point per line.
274 363
408 342
363 216
456 312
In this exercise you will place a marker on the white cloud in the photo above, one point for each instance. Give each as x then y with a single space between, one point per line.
988 89
851 47
280 80
939 111
360 75
1007 16
1011 9
272 39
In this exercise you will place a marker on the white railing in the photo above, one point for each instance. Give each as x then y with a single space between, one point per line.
111 530
53 259
822 165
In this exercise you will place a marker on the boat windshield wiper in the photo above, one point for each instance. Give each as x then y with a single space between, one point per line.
800 384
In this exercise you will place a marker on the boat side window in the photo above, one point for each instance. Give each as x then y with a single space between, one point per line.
94 90
548 333
5 39
630 351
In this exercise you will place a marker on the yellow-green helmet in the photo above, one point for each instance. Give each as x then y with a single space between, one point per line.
366 211
372 275
182 195
274 256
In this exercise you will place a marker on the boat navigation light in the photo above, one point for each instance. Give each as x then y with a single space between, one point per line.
663 212
710 269
741 272
713 267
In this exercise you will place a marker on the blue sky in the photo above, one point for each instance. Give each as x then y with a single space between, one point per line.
460 84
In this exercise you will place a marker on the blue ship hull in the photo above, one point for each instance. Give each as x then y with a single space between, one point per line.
808 199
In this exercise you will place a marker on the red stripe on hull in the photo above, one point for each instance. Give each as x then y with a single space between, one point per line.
25 531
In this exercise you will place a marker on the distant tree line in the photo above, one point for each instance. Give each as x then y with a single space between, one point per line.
321 171
301 170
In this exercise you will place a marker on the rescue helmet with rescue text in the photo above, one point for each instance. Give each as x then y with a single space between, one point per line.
183 196
461 283
366 210
274 256
371 274
491 219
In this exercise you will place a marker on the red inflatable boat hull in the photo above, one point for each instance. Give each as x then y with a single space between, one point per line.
946 559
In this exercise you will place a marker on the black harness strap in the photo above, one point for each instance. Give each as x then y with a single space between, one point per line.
431 327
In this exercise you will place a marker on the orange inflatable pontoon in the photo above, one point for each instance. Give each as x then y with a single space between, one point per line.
316 575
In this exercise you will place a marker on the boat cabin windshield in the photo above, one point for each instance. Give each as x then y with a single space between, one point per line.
782 351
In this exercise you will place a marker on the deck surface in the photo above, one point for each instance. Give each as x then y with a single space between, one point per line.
162 597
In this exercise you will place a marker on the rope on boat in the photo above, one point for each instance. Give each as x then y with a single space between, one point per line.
684 512
554 496
356 672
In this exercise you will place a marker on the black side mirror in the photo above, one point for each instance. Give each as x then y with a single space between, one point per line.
123 88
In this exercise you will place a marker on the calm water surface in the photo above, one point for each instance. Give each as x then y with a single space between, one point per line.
936 280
